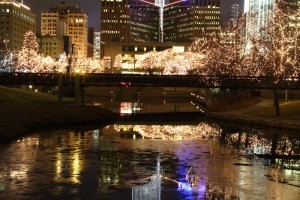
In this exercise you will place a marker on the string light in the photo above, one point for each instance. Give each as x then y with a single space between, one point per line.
271 49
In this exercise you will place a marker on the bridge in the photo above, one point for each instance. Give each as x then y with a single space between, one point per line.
138 80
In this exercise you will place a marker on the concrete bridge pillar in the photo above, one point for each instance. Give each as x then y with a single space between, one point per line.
77 89
82 94
59 89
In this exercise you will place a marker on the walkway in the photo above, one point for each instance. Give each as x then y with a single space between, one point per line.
254 115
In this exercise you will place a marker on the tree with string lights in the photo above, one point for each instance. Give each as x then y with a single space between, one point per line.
28 59
47 65
169 62
62 63
273 48
7 59
87 65
118 62
150 62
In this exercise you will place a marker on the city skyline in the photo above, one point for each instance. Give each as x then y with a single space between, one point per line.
92 9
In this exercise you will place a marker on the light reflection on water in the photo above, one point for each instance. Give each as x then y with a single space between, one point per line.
254 143
101 165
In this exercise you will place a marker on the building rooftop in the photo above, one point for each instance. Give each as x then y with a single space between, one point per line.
64 9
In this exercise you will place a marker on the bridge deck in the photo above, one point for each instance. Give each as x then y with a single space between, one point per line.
136 80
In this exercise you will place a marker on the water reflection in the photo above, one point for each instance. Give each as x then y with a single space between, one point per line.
171 132
99 164
144 106
255 142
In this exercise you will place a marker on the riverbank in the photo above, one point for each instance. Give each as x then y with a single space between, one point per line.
263 114
19 119
23 111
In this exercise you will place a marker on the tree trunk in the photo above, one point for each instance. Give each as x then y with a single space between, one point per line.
276 103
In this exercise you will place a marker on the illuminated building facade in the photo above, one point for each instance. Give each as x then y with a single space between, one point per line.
157 20
74 20
185 20
128 21
15 20
131 51
54 46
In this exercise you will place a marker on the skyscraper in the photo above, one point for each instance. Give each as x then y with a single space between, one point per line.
90 48
258 10
69 18
97 45
15 20
157 20
185 20
235 13
129 20
161 4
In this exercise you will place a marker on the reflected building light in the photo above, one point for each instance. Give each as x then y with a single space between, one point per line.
151 190
20 171
76 168
96 134
58 166
19 174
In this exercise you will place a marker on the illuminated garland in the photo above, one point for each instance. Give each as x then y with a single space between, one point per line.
268 50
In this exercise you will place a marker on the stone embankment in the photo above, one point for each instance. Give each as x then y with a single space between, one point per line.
256 121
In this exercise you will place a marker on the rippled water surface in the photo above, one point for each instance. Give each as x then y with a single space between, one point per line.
100 164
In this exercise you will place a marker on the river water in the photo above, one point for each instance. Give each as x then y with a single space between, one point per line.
153 160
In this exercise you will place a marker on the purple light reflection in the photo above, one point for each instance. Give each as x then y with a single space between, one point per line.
187 187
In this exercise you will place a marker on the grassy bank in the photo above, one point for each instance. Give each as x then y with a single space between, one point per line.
22 96
263 114
23 111
289 111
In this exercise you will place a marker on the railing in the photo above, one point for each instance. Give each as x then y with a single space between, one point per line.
136 80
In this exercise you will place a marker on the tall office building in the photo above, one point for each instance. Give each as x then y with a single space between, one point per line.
235 14
161 4
15 20
74 20
185 20
257 11
54 46
90 48
97 45
129 20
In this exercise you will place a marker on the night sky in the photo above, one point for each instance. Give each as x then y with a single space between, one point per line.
92 8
